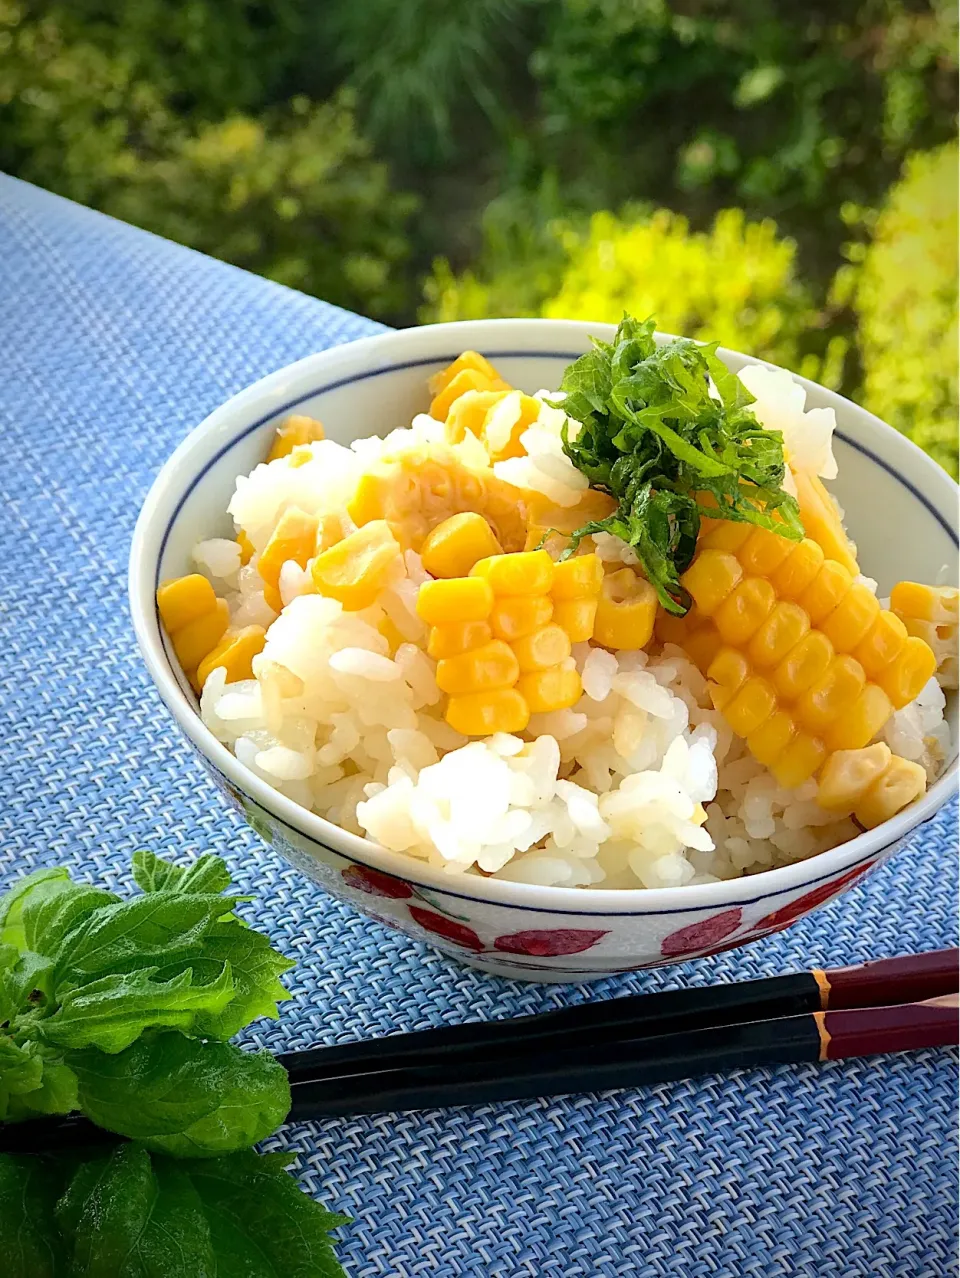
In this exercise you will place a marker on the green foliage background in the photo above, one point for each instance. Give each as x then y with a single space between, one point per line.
783 177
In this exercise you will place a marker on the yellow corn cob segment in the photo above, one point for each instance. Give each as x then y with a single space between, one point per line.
479 714
626 611
801 664
456 599
544 648
930 613
193 641
578 578
184 600
420 488
530 572
546 690
520 615
577 617
492 666
355 570
450 638
295 537
294 431
822 523
453 547
235 653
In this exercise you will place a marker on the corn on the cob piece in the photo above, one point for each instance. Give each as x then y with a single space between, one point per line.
453 547
495 683
355 570
194 618
801 664
930 613
821 521
872 784
292 433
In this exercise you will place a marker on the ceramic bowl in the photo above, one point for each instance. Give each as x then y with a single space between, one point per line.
901 509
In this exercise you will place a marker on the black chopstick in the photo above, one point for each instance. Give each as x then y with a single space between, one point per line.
889 1005
906 978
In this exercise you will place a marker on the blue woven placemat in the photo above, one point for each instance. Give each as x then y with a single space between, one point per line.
114 344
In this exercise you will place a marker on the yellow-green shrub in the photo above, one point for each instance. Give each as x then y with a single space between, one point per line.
905 293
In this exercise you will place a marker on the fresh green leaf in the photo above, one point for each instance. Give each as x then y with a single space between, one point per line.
132 1214
32 887
668 432
208 873
261 1225
21 1071
182 1096
126 1217
112 1012
26 987
56 1093
48 919
30 1245
148 931
256 967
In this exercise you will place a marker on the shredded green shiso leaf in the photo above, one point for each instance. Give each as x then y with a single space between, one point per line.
669 433
122 1010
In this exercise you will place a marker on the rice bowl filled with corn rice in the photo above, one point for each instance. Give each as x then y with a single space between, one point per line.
398 639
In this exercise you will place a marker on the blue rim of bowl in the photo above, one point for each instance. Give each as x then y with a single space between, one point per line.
874 854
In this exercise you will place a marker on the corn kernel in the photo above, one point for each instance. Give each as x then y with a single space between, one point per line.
939 604
453 547
505 423
903 679
468 359
468 379
577 617
294 537
578 578
710 578
546 690
858 725
884 641
727 673
355 570
831 584
803 665
480 714
848 774
799 761
821 520
767 742
626 611
744 610
479 670
520 615
544 648
295 430
272 597
392 634
702 646
193 641
833 693
457 599
468 414
751 706
184 600
450 638
852 619
901 783
246 547
526 572
798 570
780 633
235 653
725 534
763 552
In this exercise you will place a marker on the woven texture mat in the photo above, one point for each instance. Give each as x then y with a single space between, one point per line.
114 345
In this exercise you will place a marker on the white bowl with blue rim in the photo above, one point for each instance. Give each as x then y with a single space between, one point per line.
901 509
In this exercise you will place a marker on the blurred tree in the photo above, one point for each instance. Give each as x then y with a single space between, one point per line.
903 286
292 193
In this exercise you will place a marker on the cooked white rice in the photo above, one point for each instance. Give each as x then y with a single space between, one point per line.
621 791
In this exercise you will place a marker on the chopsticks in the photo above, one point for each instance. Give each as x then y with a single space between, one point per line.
890 1005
